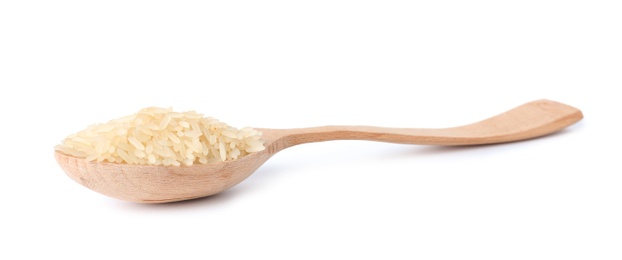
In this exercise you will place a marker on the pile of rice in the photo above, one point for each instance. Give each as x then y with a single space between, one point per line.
160 136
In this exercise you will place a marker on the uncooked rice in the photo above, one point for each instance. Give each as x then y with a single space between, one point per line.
160 136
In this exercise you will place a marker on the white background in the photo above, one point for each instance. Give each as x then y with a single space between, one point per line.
286 64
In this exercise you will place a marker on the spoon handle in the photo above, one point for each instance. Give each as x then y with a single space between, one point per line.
533 119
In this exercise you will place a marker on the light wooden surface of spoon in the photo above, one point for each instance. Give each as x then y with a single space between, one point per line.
159 184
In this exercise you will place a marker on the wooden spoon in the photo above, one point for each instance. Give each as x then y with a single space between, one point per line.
158 184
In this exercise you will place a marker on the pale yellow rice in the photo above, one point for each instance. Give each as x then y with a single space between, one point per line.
160 136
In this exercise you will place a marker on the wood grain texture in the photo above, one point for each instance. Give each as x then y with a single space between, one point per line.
158 184
534 119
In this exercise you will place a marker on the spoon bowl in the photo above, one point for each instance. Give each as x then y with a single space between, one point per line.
159 184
